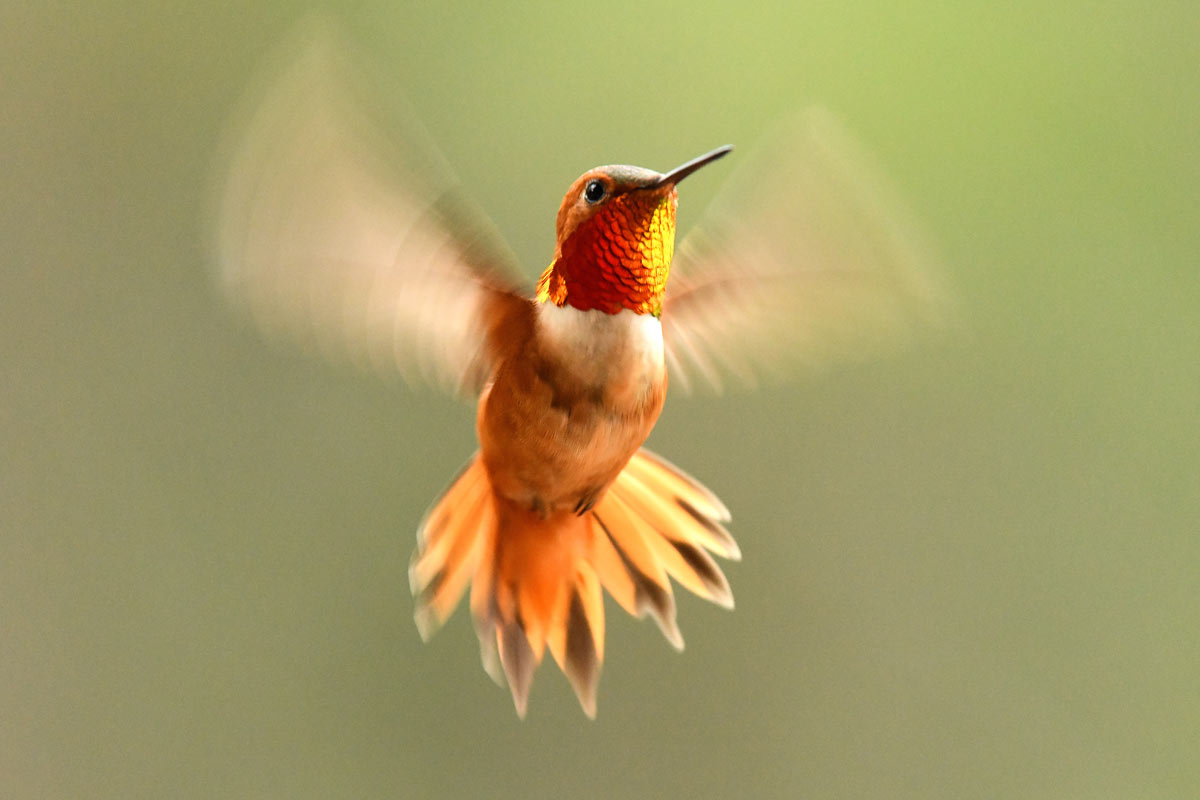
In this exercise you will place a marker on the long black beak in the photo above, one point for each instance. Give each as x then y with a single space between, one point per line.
683 170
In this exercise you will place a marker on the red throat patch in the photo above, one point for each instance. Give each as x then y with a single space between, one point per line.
619 259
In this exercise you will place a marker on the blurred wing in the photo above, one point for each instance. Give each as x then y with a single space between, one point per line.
805 255
339 237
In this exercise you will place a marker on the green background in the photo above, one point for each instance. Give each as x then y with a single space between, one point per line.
970 571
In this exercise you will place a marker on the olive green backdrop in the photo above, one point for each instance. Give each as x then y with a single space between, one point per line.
970 571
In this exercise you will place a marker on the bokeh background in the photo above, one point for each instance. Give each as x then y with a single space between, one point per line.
970 570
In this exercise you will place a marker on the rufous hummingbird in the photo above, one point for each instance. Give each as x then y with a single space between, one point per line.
329 232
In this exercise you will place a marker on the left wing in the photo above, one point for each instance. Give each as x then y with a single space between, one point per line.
805 255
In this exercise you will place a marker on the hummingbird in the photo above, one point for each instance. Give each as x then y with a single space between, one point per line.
335 232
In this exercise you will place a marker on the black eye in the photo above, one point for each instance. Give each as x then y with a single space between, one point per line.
594 191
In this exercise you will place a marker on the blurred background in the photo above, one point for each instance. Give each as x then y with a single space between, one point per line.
970 571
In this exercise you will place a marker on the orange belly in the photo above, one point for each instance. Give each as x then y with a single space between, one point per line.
549 443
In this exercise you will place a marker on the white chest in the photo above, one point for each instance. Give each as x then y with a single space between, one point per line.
601 349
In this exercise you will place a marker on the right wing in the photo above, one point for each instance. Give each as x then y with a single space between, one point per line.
335 235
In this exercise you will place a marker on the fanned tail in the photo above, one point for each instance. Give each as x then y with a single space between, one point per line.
657 521
536 580
450 543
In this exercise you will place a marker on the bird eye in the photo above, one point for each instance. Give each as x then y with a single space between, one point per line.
594 191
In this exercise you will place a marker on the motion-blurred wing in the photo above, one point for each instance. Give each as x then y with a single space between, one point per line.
340 237
804 255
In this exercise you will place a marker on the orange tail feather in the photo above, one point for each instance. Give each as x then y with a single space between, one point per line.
537 580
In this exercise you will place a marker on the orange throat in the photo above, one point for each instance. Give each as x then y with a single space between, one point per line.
619 259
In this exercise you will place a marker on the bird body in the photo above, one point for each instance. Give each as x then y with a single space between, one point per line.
579 380
564 414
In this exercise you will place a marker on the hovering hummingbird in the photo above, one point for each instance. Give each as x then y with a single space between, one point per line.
329 231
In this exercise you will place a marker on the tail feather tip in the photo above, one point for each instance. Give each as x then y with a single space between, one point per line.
423 617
